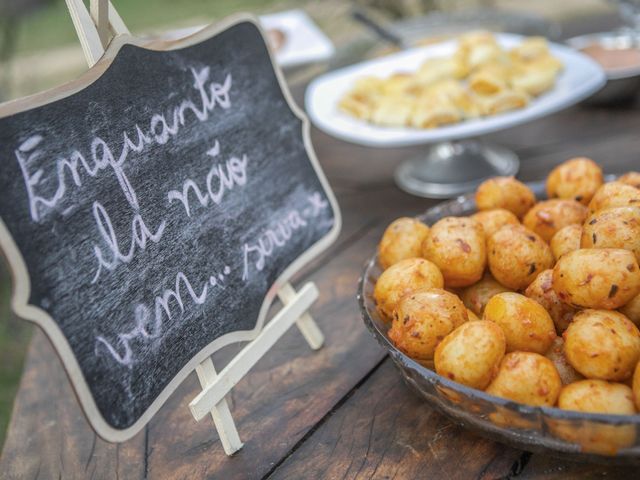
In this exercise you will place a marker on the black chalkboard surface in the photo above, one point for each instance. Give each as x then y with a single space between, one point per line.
149 215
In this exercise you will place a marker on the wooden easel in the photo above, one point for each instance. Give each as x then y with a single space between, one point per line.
95 30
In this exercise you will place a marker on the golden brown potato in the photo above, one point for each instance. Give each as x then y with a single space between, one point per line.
401 278
635 386
541 290
526 324
630 178
631 310
401 240
604 278
602 344
577 179
494 220
457 246
614 194
567 373
528 378
517 255
617 227
507 193
471 353
422 319
566 240
597 396
547 217
476 296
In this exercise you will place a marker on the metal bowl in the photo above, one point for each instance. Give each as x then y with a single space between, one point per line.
623 84
610 439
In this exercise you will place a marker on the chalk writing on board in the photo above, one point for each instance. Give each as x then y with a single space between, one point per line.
102 157
153 209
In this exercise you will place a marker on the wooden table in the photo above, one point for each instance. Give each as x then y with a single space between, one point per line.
341 412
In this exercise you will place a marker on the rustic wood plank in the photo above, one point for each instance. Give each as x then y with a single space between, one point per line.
545 467
386 431
49 437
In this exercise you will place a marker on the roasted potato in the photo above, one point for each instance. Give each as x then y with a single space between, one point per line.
566 240
614 194
528 378
507 193
597 396
635 386
517 255
617 227
457 246
577 179
604 278
546 218
471 353
422 319
541 290
476 296
401 278
526 324
401 240
630 178
631 310
567 373
494 220
602 344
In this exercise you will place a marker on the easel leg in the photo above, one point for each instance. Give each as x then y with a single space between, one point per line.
307 326
220 413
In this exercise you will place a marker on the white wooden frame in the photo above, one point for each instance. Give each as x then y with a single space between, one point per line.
215 386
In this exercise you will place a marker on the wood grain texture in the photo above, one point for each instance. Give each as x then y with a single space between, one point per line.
384 431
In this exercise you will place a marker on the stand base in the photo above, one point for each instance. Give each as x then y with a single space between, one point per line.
452 168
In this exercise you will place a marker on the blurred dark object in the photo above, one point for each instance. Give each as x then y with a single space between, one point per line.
11 12
619 55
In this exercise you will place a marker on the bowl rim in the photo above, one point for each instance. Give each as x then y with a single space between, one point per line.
581 41
432 376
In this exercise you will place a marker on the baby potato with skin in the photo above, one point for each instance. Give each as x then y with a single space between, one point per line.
577 179
548 217
556 354
614 194
528 378
422 319
617 227
507 193
631 310
597 396
604 278
566 240
635 386
494 220
602 344
630 178
401 240
457 246
526 324
476 296
471 353
541 290
402 278
516 255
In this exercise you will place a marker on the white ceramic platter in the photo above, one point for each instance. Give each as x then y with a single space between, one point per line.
580 78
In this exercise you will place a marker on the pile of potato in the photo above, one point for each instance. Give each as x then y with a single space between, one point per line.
536 302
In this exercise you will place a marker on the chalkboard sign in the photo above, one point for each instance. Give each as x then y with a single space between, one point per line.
150 211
